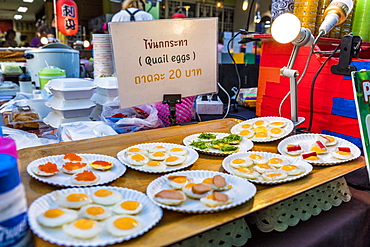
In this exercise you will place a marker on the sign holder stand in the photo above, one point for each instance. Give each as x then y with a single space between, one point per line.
171 100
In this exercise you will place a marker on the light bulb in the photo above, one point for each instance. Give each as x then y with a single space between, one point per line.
335 14
86 43
44 40
245 5
285 28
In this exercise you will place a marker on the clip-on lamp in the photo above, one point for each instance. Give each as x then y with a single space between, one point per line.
171 100
287 28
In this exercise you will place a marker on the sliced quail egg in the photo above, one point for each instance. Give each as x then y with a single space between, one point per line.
106 197
274 175
174 160
241 162
154 165
73 200
177 151
120 226
342 153
276 132
95 212
45 170
137 159
216 199
292 170
246 172
277 124
131 207
85 178
277 162
159 155
258 159
170 197
262 168
56 217
247 133
82 229
157 148
260 122
177 182
293 149
261 136
197 190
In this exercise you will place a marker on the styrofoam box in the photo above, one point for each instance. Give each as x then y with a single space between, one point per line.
71 84
101 99
110 92
73 104
74 113
76 94
106 82
54 120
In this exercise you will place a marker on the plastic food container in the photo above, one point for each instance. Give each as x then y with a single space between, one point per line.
24 118
50 73
102 99
107 86
61 104
54 120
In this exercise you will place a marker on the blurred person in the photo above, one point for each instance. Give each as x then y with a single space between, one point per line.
24 42
42 31
220 43
132 10
9 39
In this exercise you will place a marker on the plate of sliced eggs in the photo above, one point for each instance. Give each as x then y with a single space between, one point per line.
265 167
92 216
264 129
75 170
319 149
217 143
200 191
158 157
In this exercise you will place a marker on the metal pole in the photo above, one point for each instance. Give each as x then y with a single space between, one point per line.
55 19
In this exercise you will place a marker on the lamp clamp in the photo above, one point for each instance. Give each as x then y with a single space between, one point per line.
171 100
350 47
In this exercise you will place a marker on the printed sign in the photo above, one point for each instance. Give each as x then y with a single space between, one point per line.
169 56
361 89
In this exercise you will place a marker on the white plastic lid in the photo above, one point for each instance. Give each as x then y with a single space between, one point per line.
106 82
68 84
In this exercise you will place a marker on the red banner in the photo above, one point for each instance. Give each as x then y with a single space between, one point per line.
67 17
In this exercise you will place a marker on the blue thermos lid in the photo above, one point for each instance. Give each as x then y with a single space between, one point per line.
9 174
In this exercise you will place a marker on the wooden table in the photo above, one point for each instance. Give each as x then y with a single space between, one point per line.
175 226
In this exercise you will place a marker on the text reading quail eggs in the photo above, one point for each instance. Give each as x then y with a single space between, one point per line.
95 212
82 229
127 207
106 197
73 200
120 226
56 217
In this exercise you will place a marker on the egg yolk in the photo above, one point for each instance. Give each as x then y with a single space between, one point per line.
103 193
260 129
244 132
70 166
158 154
84 224
275 130
275 161
49 168
176 149
77 197
125 223
153 163
95 210
331 139
208 181
53 213
289 168
245 170
255 156
246 126
277 123
101 163
259 122
265 166
180 179
85 176
72 157
261 134
317 149
188 186
130 205
137 157
172 159
159 147
238 161
275 174
134 150
312 158
343 153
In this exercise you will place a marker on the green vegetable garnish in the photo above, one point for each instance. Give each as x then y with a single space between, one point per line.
207 136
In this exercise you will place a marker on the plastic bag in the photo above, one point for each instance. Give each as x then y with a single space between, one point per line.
130 119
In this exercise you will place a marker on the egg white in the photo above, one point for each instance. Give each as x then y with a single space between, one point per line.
155 165
72 230
174 160
258 159
187 189
341 155
73 200
327 140
177 151
295 152
37 171
246 172
277 162
82 182
209 181
177 182
157 148
211 202
245 126
67 216
261 136
276 132
159 155
95 212
262 168
274 175
260 122
137 159
171 201
241 162
292 170
73 171
247 133
131 207
106 197
136 150
119 232
277 124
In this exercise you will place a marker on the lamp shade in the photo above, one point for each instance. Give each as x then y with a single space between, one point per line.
285 28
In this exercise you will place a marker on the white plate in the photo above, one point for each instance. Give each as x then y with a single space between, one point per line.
244 146
292 161
306 140
150 215
192 156
63 179
288 127
241 191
